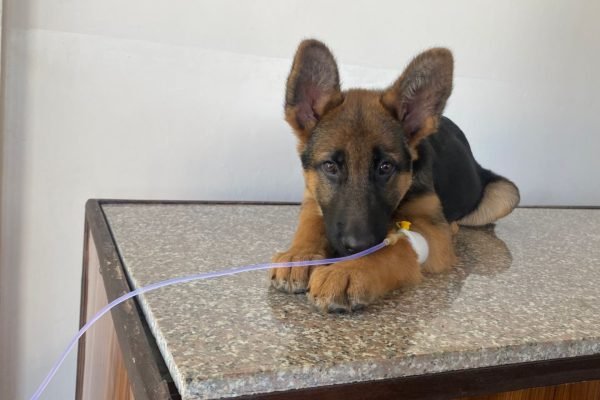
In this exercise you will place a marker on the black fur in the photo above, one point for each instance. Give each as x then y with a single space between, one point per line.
446 166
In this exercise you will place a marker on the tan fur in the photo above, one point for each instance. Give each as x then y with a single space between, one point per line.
499 199
404 182
425 214
311 180
309 243
429 126
439 238
358 104
351 285
425 205
454 228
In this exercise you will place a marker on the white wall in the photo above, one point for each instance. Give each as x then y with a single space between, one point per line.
182 100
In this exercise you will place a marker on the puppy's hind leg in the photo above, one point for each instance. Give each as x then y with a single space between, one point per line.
500 197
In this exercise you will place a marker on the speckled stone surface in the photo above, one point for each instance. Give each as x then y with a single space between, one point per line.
527 290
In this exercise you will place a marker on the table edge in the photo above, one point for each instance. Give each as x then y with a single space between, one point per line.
148 374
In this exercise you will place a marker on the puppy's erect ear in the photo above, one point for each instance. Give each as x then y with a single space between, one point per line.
419 96
313 87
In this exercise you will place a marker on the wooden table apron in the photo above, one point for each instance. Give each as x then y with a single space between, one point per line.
150 379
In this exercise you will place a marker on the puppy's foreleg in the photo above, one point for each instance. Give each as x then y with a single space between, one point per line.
309 243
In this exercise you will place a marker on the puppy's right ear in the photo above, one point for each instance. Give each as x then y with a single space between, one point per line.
313 87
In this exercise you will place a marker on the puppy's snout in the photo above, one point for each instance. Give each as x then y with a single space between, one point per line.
354 243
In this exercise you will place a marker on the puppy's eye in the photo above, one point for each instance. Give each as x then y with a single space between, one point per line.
385 168
329 167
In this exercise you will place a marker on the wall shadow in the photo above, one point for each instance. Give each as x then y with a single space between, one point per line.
12 160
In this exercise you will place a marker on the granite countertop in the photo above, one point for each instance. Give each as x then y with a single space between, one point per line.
525 290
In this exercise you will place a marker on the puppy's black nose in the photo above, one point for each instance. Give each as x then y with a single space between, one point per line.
354 244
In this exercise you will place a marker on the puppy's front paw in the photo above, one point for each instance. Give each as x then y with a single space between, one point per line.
293 280
343 287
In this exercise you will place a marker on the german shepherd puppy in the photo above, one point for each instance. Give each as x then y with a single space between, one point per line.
372 158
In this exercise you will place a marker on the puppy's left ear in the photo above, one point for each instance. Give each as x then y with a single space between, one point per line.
417 99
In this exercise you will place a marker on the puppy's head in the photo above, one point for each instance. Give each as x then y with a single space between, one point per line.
357 146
